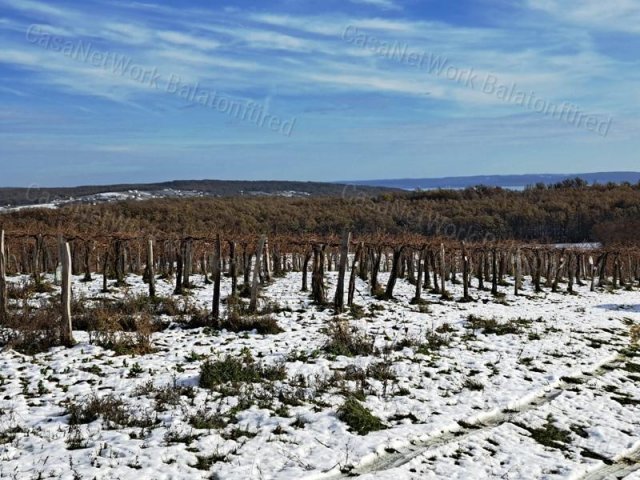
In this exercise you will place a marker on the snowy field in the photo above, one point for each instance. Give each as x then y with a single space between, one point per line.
549 390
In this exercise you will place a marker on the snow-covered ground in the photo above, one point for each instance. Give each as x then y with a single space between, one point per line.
555 396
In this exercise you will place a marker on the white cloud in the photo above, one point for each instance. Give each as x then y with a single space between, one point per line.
613 15
383 4
179 38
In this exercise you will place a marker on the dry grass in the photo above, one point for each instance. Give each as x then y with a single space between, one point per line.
125 335
347 341
32 330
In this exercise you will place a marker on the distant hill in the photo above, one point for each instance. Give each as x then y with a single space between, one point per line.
177 188
512 181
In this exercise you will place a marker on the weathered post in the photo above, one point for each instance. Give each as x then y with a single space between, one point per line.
571 272
253 304
105 270
594 269
443 272
267 261
187 262
66 329
118 263
395 266
150 269
480 271
179 269
233 268
217 255
494 271
305 271
317 277
375 268
3 281
434 269
352 278
538 272
427 275
417 298
338 301
57 280
465 274
616 271
517 272
558 273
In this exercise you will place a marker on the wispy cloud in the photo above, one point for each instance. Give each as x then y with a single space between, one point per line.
383 4
299 61
612 15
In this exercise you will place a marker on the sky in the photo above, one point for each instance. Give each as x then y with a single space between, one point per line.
100 92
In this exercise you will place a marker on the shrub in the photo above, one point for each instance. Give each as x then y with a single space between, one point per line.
358 417
347 341
238 370
265 325
492 326
107 331
33 330
109 408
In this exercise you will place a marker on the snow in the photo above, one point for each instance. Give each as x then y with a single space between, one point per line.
570 359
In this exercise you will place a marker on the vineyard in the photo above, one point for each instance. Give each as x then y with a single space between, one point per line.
219 355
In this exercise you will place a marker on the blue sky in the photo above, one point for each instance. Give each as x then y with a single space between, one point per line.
120 91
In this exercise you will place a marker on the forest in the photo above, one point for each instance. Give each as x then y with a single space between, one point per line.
569 212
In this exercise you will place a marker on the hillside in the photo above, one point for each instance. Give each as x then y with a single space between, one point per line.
175 189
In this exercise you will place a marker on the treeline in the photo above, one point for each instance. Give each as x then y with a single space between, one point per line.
569 212
220 188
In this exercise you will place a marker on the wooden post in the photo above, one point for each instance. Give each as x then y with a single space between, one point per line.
375 268
364 264
233 268
593 267
465 273
571 272
602 269
443 272
118 263
352 278
338 301
518 272
187 262
538 272
558 273
253 305
3 281
579 271
395 266
179 269
217 255
246 266
305 271
494 271
105 268
267 261
434 268
480 271
57 280
417 298
317 277
425 262
150 270
66 329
